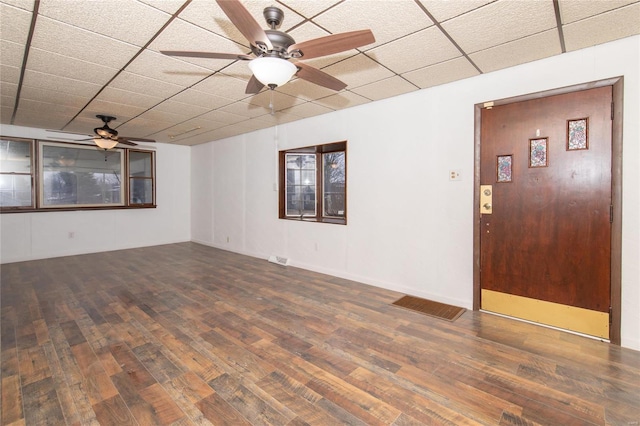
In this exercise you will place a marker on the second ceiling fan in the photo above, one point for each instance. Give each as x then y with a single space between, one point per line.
273 49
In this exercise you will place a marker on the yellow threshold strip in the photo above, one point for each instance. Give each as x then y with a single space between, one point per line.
580 320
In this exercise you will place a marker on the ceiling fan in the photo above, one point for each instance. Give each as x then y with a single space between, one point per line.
273 49
106 138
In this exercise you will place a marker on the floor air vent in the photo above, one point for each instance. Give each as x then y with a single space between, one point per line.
284 261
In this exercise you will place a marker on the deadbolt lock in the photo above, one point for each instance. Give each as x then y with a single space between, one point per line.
486 199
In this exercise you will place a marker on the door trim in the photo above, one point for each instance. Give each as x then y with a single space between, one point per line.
617 84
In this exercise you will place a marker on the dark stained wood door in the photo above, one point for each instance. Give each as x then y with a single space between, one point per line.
548 237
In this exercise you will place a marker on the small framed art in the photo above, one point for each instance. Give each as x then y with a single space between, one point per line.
538 152
504 168
577 134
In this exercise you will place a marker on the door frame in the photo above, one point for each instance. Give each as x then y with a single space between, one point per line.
617 84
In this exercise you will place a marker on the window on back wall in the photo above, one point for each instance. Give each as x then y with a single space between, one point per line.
313 183
76 177
16 174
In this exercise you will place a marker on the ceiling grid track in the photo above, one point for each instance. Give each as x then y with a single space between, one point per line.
556 9
25 58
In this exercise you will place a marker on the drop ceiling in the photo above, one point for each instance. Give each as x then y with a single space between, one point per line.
64 61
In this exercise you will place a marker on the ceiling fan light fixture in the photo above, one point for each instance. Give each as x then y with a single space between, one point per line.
105 143
272 71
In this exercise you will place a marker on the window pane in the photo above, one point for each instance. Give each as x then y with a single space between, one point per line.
81 176
140 164
301 185
15 190
15 156
334 184
141 191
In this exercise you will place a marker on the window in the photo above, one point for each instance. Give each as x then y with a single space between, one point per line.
141 178
313 183
73 176
16 173
80 176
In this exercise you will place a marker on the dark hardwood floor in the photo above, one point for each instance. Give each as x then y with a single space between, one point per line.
187 334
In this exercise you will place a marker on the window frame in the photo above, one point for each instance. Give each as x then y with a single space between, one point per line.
318 151
31 174
152 178
38 180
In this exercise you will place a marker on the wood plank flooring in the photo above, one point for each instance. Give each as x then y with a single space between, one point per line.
186 334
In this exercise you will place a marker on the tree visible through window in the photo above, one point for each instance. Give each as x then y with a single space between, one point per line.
313 183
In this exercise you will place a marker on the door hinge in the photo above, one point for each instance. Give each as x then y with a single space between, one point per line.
610 315
611 110
610 213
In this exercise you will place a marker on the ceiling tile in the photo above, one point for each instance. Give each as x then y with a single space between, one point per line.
181 109
15 23
42 94
619 23
121 111
11 53
127 20
303 89
144 128
9 100
169 6
574 10
309 9
445 72
387 20
403 55
60 84
307 109
164 68
39 118
342 100
223 86
245 109
139 84
518 52
9 75
386 88
500 22
54 64
10 90
201 99
73 42
22 4
279 100
111 94
443 10
358 71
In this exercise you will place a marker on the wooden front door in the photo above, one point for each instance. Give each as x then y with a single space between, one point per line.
545 210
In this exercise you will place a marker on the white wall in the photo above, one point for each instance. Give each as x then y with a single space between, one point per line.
27 236
409 228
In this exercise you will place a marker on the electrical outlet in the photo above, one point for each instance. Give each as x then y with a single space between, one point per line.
455 175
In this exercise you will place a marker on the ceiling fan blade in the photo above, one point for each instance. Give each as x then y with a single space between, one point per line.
321 78
126 142
331 44
211 55
245 22
253 86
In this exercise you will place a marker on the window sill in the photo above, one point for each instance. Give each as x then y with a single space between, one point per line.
72 209
332 220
